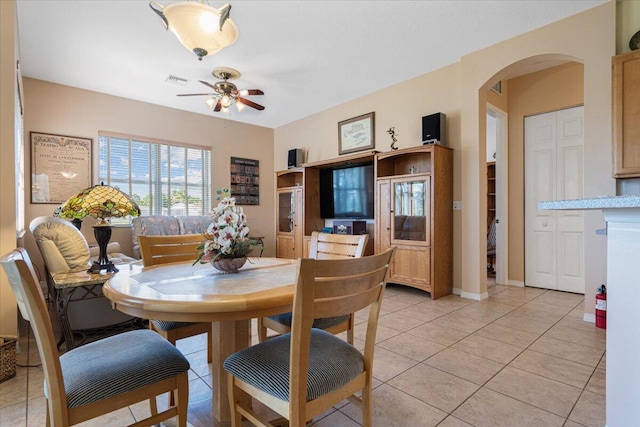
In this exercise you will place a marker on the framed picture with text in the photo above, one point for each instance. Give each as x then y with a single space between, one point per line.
60 167
356 134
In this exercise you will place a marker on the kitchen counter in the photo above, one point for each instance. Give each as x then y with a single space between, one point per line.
622 214
605 202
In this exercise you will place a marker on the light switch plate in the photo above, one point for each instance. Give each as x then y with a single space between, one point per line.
457 205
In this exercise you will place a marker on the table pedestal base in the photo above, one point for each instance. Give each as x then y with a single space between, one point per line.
227 338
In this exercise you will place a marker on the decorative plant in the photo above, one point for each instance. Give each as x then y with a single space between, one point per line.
227 235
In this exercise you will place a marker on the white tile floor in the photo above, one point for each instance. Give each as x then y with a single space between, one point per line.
524 357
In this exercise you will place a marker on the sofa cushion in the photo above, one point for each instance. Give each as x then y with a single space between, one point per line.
196 224
62 245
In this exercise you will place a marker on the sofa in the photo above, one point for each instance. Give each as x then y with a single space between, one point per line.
162 225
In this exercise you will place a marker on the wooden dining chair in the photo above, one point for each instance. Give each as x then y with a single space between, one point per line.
323 246
174 248
102 376
301 374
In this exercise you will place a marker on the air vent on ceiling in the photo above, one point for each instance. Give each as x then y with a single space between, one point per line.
497 88
176 80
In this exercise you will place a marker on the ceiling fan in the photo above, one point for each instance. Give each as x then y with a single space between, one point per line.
226 93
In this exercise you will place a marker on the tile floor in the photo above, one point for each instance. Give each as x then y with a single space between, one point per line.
524 357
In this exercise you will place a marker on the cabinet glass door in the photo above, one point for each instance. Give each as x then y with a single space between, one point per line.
410 213
285 212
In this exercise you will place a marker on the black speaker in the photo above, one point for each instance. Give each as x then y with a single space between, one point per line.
295 158
434 129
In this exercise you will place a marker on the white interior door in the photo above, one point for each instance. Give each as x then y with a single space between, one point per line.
554 240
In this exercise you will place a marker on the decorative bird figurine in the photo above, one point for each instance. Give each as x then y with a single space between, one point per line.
392 131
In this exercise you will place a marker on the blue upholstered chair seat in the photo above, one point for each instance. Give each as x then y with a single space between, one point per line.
105 368
165 325
326 323
332 364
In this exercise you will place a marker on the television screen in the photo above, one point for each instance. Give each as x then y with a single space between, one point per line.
347 192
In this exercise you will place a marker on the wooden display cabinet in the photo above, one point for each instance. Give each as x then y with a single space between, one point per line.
289 213
414 213
626 114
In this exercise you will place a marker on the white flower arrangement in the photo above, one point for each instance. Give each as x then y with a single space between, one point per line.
227 235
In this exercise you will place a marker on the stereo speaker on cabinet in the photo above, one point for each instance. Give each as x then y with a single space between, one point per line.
295 158
434 129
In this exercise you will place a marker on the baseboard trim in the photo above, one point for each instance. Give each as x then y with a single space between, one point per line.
474 296
456 291
589 317
517 283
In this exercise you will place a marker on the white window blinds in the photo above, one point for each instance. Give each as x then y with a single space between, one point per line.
162 177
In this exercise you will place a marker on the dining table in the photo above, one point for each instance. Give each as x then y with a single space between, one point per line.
187 292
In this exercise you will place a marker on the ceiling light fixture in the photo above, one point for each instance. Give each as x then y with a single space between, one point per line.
226 93
202 29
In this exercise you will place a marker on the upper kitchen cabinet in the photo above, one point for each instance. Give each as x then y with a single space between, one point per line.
626 115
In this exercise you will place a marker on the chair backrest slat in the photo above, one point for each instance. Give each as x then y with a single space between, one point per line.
19 270
171 248
335 246
331 307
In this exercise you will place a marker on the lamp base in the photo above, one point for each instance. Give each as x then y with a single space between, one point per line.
96 267
102 232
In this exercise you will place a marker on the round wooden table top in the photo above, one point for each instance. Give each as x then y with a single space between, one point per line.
199 293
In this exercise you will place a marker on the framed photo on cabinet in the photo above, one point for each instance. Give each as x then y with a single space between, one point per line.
356 134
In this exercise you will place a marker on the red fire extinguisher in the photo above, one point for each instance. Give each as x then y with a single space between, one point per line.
601 307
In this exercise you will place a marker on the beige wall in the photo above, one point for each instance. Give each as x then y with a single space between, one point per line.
460 91
65 110
8 56
627 23
500 100
548 90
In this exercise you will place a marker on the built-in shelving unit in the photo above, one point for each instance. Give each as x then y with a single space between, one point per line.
414 214
414 199
491 192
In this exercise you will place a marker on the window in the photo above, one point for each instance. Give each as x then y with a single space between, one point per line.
162 177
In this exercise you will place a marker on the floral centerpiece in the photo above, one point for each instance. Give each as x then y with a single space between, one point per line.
227 237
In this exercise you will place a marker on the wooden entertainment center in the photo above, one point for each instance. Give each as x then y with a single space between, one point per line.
413 212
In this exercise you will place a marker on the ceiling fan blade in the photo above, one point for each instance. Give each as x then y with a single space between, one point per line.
196 94
253 91
249 103
218 106
208 84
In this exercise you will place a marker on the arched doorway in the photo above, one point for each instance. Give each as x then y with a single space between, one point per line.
534 85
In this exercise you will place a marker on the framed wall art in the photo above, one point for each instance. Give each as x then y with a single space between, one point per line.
60 167
245 181
356 134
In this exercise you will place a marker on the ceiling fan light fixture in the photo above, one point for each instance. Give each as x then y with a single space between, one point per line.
225 101
211 102
202 29
226 93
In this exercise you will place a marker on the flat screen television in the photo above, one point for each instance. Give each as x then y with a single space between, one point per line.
347 192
